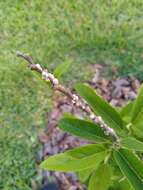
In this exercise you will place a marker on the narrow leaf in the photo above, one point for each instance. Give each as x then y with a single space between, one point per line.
134 160
125 112
131 167
83 129
138 105
121 185
85 174
100 107
86 150
138 124
101 178
83 151
62 68
65 162
125 185
132 144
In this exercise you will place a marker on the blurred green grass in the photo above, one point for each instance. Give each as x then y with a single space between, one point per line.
17 160
84 32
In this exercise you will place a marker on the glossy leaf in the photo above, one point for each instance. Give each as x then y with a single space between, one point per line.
138 105
131 167
62 68
86 150
101 178
138 132
125 185
138 125
83 151
138 122
133 159
83 129
132 144
122 184
125 112
100 107
66 162
85 174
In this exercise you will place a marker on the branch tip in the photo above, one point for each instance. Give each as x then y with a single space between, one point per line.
73 97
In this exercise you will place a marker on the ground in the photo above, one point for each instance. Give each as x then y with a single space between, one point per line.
82 32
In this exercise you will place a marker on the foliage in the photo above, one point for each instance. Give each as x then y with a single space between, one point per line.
81 32
62 31
17 158
106 163
107 32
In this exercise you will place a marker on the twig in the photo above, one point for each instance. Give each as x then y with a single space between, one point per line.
73 97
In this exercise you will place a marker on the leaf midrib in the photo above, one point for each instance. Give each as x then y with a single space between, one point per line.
107 115
102 110
132 168
94 137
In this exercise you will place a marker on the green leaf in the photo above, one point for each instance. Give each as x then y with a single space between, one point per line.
121 184
101 178
100 107
83 129
132 144
125 112
85 150
71 161
138 124
62 68
85 174
138 105
131 167
125 185
134 160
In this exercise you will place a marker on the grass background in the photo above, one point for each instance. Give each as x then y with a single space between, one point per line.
108 32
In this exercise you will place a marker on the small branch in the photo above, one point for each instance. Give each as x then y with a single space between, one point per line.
26 57
73 97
